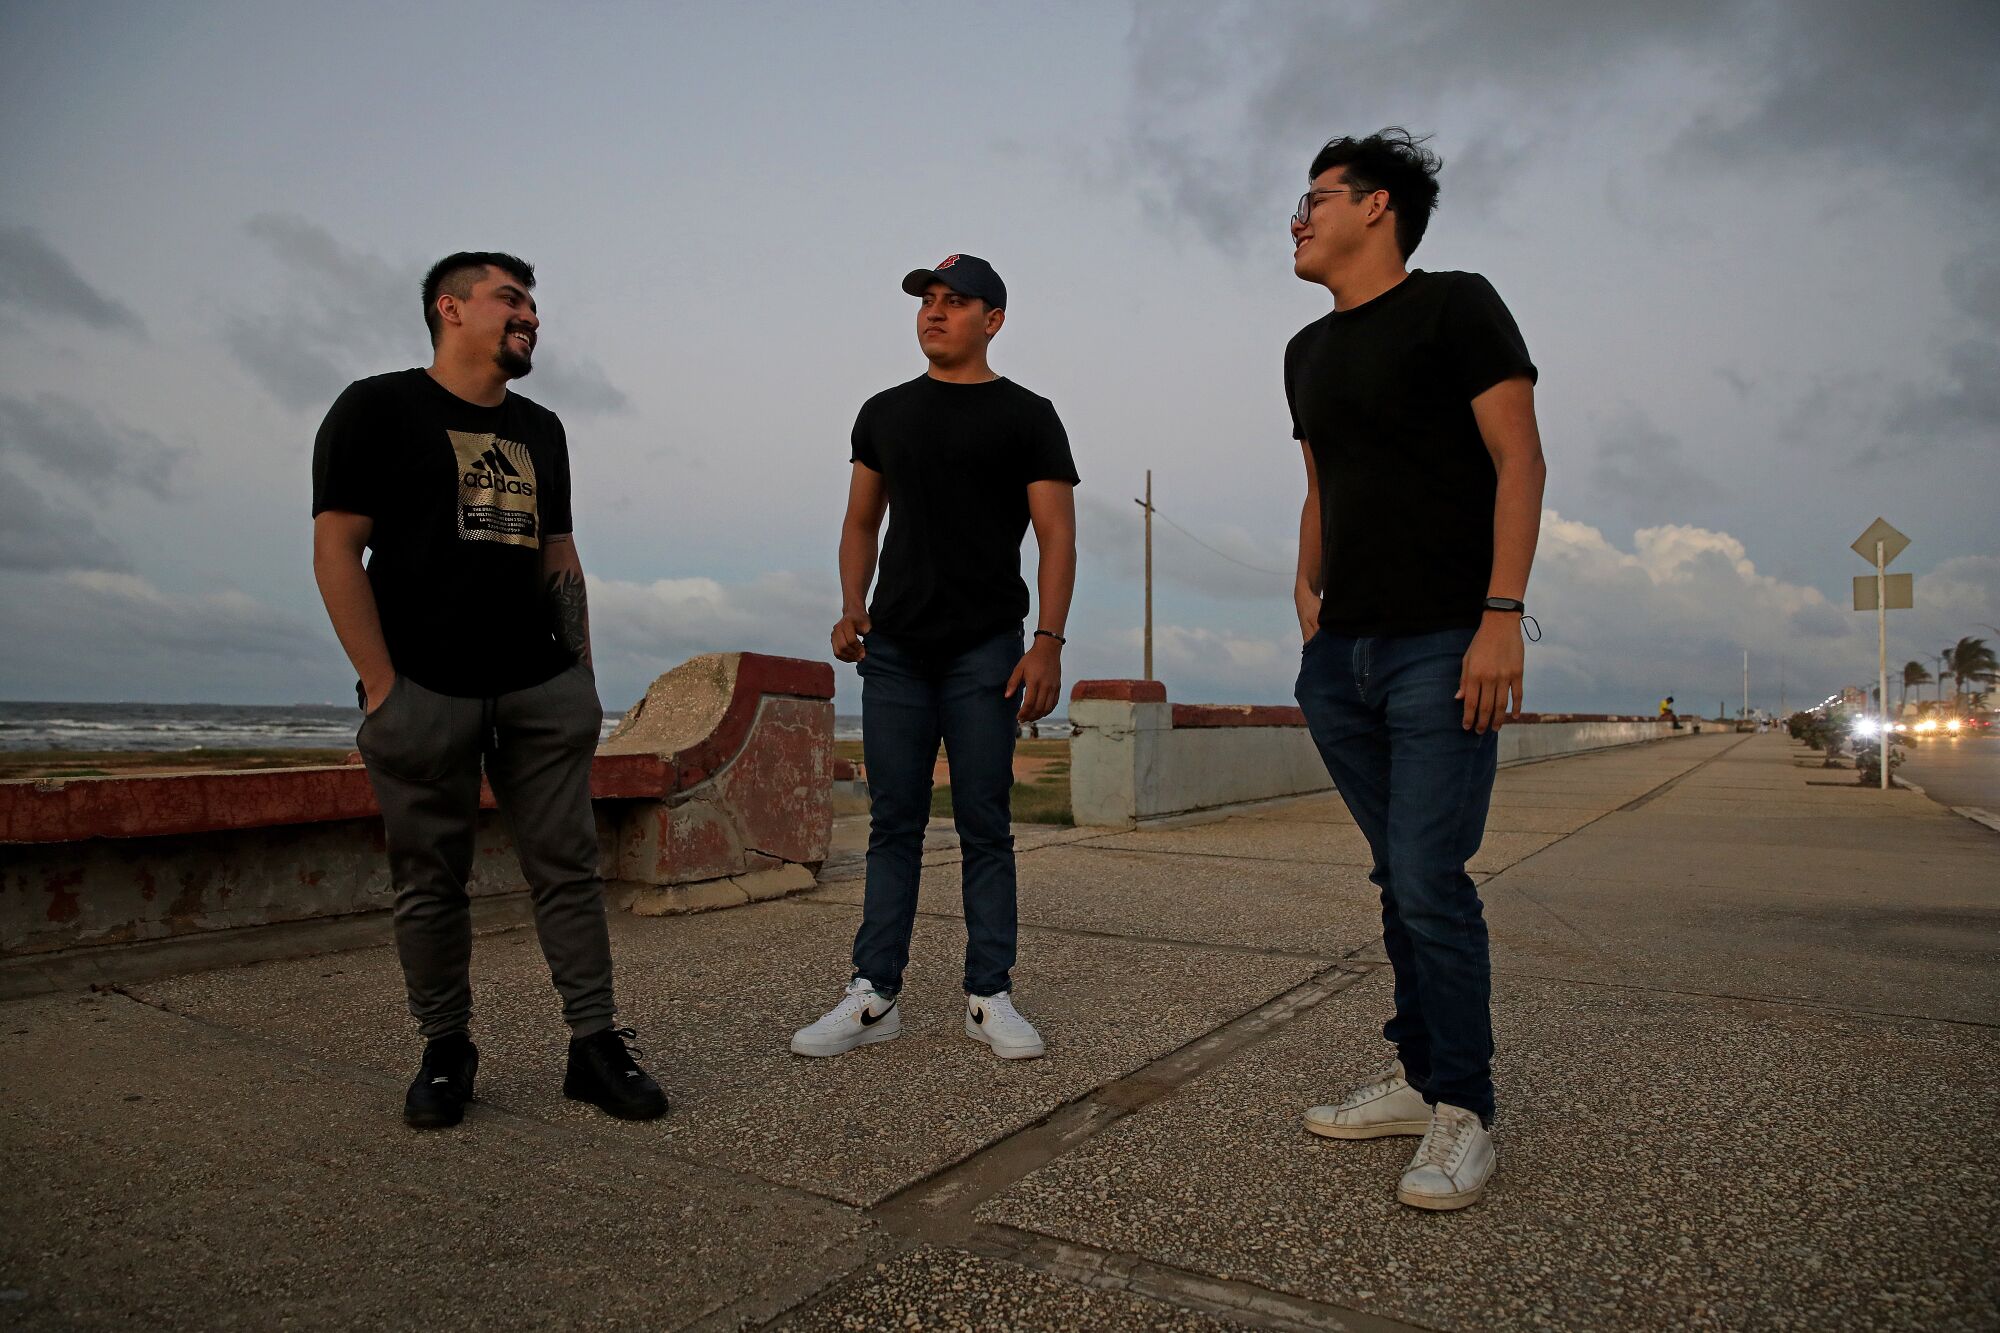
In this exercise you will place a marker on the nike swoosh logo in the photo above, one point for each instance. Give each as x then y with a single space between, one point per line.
979 1017
869 1020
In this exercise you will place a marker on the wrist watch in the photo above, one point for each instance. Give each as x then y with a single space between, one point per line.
1518 607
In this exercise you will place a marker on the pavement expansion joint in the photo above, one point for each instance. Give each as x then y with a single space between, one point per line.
1672 782
1631 805
1182 853
939 1209
1239 1302
1500 881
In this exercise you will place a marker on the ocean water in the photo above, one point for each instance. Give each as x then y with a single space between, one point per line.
53 726
48 726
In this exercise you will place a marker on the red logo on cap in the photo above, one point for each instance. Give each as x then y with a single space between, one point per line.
947 261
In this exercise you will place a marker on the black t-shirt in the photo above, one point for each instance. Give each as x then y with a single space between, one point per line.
462 496
1383 394
956 461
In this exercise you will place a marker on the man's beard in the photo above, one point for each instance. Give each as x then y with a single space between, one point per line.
514 364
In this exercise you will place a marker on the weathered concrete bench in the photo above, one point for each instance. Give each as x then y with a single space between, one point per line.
1137 757
714 790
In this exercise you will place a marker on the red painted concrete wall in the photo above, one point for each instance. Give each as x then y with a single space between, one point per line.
88 861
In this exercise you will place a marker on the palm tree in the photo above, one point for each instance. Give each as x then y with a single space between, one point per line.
1914 673
1970 659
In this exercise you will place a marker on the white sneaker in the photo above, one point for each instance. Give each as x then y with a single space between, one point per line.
861 1017
1374 1109
994 1020
1452 1164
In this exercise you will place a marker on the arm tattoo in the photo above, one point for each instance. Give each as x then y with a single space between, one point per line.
572 613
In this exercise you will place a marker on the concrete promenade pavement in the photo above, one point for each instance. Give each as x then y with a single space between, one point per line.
1749 1077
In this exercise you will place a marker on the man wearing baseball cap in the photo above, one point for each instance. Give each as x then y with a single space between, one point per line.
961 461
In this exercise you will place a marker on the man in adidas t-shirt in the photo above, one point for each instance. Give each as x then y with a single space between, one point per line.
962 461
469 631
1413 400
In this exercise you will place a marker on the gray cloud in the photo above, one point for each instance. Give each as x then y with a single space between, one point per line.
94 633
1505 79
1642 469
578 387
1230 100
346 314
1820 622
68 439
1741 383
1906 89
35 277
41 533
85 456
1965 401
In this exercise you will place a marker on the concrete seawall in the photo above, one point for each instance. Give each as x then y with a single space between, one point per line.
714 790
1137 757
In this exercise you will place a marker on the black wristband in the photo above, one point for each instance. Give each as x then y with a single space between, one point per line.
1507 604
1050 634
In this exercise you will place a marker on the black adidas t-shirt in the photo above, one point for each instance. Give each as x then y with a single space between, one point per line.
1383 394
956 461
462 496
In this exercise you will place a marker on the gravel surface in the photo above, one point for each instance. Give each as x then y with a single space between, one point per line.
163 1173
1665 1162
716 998
956 1292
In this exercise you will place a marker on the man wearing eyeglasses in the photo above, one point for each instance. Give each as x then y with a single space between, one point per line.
1413 402
961 461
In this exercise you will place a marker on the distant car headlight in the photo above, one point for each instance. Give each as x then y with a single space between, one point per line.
1928 724
1953 725
1866 726
1902 726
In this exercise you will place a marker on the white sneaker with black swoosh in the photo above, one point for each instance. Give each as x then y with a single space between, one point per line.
861 1017
994 1020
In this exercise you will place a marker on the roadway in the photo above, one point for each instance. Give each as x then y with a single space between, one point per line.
1956 772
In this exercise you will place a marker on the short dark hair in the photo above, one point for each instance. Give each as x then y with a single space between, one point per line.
1395 160
456 273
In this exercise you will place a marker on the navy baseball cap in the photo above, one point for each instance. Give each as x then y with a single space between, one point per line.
968 275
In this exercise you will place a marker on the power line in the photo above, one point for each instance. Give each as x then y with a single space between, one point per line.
1258 569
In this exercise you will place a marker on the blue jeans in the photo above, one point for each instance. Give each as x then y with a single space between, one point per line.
910 700
1417 783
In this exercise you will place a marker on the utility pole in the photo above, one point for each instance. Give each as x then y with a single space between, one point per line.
1746 684
1147 505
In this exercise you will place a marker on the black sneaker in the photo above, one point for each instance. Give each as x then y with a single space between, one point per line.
603 1073
444 1083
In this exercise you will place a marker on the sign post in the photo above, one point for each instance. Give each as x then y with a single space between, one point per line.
1878 546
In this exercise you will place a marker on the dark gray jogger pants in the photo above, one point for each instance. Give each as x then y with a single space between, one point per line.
424 752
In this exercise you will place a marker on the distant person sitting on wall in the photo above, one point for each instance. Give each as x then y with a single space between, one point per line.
469 631
962 461
1667 713
1413 402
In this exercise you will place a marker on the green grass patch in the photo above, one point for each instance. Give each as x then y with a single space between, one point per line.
1045 800
1041 802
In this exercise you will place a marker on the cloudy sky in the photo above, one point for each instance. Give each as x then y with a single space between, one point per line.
1741 239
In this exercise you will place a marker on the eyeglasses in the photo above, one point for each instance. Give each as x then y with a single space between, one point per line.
1303 213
